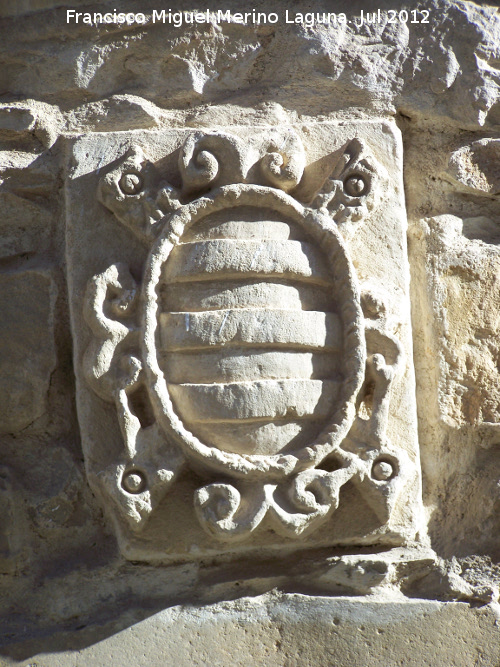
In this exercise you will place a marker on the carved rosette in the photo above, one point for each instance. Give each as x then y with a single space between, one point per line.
247 349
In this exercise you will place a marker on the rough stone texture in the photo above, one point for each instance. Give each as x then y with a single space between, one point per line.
291 630
73 100
27 349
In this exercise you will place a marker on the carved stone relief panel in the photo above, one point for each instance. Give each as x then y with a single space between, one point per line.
242 342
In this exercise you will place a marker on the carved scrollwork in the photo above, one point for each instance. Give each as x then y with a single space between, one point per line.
138 483
208 160
134 193
284 163
384 360
228 270
384 470
314 495
349 192
113 368
211 160
109 306
229 513
294 507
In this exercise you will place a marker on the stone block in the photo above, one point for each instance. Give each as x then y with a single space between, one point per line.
242 337
27 348
280 630
15 120
24 225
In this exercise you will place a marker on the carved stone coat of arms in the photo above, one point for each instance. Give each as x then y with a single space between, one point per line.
242 341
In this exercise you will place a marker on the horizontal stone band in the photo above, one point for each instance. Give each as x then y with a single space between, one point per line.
266 399
262 436
252 294
237 364
224 226
290 328
229 257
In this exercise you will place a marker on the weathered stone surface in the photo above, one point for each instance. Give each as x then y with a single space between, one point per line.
211 349
21 120
453 250
27 348
15 120
474 168
295 630
13 528
24 225
444 65
468 346
287 443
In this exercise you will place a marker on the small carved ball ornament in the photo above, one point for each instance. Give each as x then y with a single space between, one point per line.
383 471
131 183
134 482
355 186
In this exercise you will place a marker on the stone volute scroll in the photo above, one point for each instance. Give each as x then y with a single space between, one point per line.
243 359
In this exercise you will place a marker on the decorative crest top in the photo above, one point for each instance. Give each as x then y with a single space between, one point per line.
138 197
